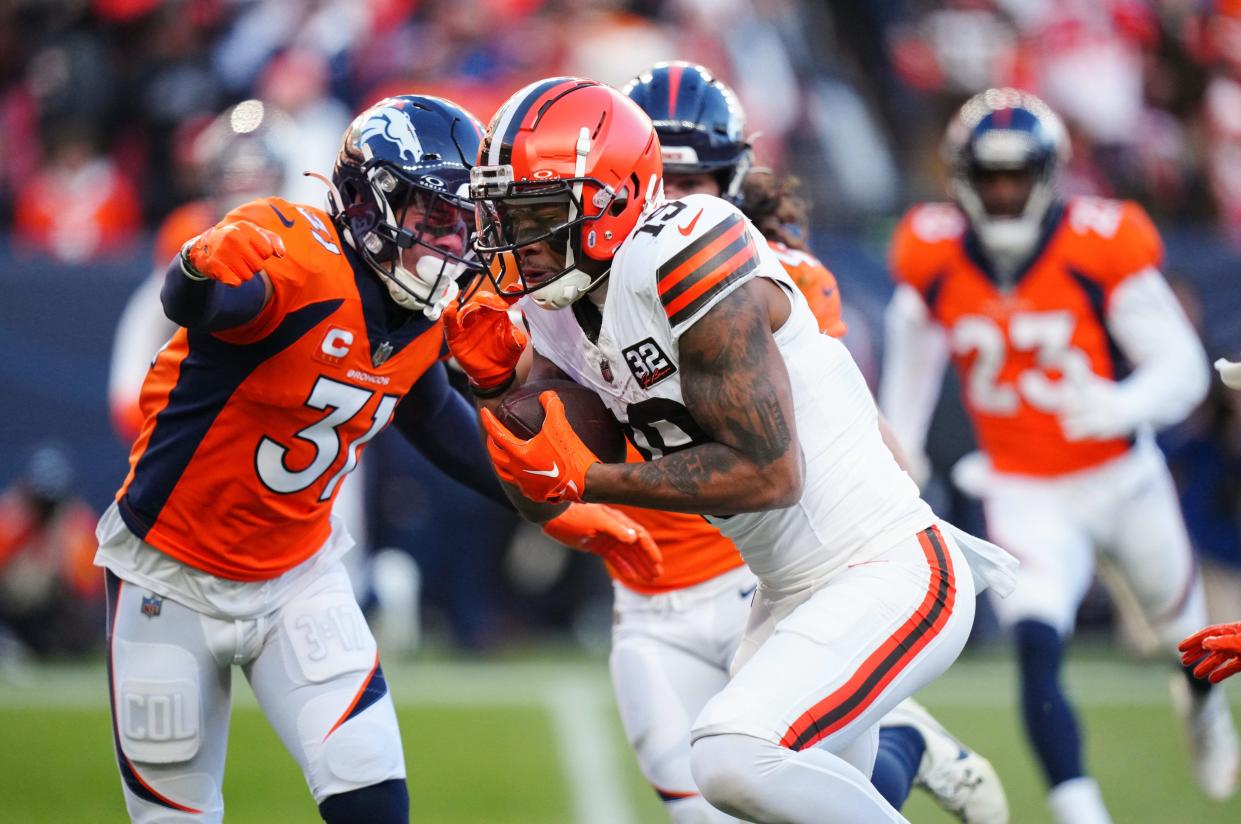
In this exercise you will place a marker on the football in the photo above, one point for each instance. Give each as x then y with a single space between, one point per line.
522 413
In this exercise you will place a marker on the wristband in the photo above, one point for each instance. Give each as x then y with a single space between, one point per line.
187 268
493 391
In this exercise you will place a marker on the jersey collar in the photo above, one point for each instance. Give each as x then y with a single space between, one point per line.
976 255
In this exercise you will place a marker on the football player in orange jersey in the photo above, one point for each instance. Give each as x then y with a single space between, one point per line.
239 157
1070 347
304 333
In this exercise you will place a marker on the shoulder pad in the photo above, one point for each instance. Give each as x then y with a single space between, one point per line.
922 239
1115 238
308 233
702 249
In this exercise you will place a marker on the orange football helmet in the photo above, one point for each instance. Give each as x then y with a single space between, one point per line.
567 162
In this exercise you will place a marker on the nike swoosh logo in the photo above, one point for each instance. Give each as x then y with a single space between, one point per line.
746 593
827 293
689 227
288 224
546 473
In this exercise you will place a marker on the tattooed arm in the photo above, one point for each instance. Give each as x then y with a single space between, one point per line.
736 387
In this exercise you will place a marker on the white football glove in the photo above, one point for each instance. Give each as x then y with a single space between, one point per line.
1230 372
429 288
1097 409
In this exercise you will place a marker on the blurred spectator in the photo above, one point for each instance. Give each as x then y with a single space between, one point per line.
51 595
1221 49
296 83
78 205
959 49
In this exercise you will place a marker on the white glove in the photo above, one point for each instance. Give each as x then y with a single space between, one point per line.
433 283
1230 372
1096 409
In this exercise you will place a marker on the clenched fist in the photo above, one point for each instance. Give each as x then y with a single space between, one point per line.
231 253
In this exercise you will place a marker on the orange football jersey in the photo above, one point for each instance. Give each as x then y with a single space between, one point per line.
694 551
1018 349
248 432
818 285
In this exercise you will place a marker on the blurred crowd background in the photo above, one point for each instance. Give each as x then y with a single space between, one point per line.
106 109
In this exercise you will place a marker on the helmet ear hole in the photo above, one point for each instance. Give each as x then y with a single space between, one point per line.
621 201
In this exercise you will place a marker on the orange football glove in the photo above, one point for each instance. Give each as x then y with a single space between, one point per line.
485 342
622 543
1214 651
231 253
551 466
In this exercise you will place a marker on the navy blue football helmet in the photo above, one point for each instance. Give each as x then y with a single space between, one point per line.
1006 129
700 124
409 152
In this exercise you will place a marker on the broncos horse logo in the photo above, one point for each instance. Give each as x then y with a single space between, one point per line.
392 125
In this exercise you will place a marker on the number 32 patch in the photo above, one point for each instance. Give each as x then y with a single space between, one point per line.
648 363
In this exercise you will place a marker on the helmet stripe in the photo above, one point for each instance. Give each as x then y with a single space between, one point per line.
501 150
674 86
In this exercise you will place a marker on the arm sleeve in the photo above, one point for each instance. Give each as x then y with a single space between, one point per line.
209 304
1170 375
141 331
915 354
444 428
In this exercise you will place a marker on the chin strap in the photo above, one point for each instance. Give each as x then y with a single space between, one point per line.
435 278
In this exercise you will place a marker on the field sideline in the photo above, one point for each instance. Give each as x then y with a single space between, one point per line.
538 740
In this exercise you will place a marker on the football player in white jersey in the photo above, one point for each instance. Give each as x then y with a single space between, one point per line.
695 337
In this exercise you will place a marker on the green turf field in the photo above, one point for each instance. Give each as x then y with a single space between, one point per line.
538 741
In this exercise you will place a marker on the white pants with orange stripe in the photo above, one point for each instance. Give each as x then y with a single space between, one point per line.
1128 510
670 653
313 665
793 736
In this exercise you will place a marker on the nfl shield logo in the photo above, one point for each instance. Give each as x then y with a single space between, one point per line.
605 369
151 605
382 352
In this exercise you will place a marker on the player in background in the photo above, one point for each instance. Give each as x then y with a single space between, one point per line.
724 409
1215 651
1070 347
303 334
672 639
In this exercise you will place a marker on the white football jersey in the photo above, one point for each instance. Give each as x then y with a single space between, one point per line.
681 259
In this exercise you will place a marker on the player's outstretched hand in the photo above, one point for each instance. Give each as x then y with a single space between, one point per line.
1215 651
231 253
551 466
485 342
623 543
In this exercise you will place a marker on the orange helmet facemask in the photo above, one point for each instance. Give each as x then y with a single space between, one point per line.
566 162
